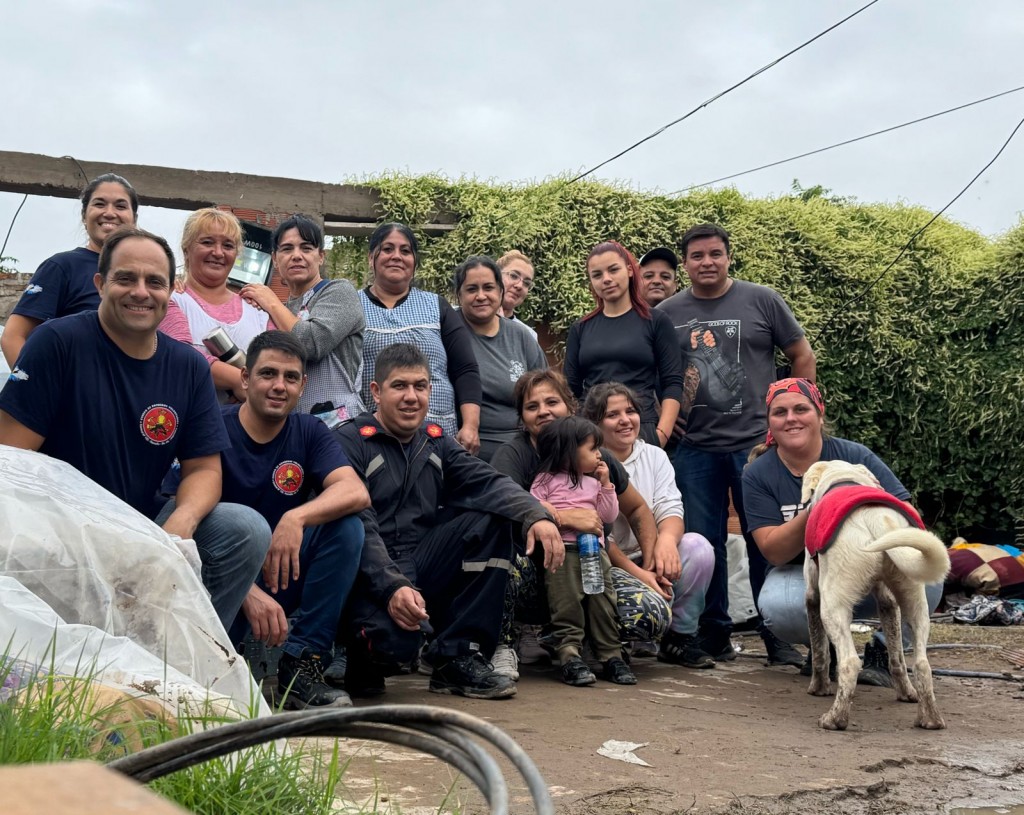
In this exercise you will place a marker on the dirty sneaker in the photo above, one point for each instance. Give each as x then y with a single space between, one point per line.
506 662
300 683
530 650
471 676
335 672
779 652
875 668
685 650
575 672
719 646
617 671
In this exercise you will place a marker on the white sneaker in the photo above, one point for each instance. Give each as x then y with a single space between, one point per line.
506 662
530 650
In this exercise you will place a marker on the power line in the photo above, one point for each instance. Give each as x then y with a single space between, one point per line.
917 234
847 141
719 95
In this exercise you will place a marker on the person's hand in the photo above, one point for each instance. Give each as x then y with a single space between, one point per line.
408 608
546 533
256 294
664 560
601 474
469 438
581 520
265 615
659 584
282 563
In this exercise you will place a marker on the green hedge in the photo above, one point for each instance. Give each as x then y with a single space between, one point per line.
925 367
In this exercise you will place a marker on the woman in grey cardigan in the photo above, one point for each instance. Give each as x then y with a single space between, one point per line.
324 315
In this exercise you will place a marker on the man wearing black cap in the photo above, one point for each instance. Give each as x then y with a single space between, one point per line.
658 275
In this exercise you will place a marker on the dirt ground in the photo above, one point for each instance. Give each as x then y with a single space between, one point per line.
741 738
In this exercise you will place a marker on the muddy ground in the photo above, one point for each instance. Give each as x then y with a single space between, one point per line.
742 738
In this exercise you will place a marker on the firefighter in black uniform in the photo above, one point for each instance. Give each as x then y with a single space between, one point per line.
439 542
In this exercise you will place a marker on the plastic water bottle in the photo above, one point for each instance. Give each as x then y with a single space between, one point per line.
590 563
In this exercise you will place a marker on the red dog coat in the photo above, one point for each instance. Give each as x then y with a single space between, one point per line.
829 512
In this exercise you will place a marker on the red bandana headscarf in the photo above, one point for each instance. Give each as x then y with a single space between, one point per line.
794 385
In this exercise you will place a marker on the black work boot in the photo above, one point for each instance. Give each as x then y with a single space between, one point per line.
471 676
363 677
300 683
779 652
875 668
718 644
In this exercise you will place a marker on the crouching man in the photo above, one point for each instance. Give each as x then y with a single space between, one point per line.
107 393
439 540
277 460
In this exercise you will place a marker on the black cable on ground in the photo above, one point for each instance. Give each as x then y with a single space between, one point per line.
847 141
720 94
437 731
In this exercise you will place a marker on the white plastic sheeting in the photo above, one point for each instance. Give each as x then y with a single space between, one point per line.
107 573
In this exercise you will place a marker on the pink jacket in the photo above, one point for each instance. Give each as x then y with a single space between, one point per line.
557 490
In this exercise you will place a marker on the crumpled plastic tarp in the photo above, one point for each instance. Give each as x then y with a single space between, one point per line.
104 584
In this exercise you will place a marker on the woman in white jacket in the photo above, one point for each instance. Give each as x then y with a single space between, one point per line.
614 408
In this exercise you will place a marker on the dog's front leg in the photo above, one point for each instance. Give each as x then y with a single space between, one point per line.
836 616
889 614
820 685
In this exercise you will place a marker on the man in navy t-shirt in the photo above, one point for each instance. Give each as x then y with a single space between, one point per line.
277 460
108 394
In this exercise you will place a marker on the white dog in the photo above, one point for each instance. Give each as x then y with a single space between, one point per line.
873 547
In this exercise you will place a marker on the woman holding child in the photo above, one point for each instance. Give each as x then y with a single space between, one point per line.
797 438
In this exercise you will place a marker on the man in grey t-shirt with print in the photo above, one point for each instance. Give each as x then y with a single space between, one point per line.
728 331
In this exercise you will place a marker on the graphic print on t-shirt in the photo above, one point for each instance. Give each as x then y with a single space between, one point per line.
713 376
288 477
159 423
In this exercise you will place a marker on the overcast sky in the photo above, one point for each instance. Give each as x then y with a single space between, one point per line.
520 90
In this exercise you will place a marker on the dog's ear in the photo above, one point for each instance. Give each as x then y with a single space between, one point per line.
868 475
811 479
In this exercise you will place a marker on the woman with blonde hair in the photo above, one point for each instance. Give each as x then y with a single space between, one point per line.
210 243
518 276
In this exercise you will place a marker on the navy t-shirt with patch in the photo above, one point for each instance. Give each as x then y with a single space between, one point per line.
62 285
121 421
275 477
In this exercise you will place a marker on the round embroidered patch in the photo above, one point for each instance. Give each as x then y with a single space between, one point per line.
367 430
159 423
288 477
434 431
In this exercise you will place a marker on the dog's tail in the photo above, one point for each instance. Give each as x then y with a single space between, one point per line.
920 555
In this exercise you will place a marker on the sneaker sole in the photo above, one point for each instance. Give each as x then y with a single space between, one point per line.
291 703
581 682
451 690
702 665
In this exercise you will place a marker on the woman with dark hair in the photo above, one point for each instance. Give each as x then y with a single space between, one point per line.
622 340
641 595
615 409
505 349
397 311
63 284
776 518
210 241
325 316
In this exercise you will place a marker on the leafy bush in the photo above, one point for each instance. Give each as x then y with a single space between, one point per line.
923 364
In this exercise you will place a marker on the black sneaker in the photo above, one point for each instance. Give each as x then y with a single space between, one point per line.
779 652
470 676
334 675
685 650
300 683
576 673
718 646
875 668
617 671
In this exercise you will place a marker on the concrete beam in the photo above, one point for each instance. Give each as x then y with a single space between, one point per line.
176 188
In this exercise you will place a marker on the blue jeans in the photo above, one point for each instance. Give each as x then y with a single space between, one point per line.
232 541
328 563
705 479
784 610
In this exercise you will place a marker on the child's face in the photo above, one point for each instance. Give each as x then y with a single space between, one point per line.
588 456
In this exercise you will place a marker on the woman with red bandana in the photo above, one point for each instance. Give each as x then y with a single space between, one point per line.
797 438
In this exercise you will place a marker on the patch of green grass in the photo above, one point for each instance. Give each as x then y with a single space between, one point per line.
57 718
